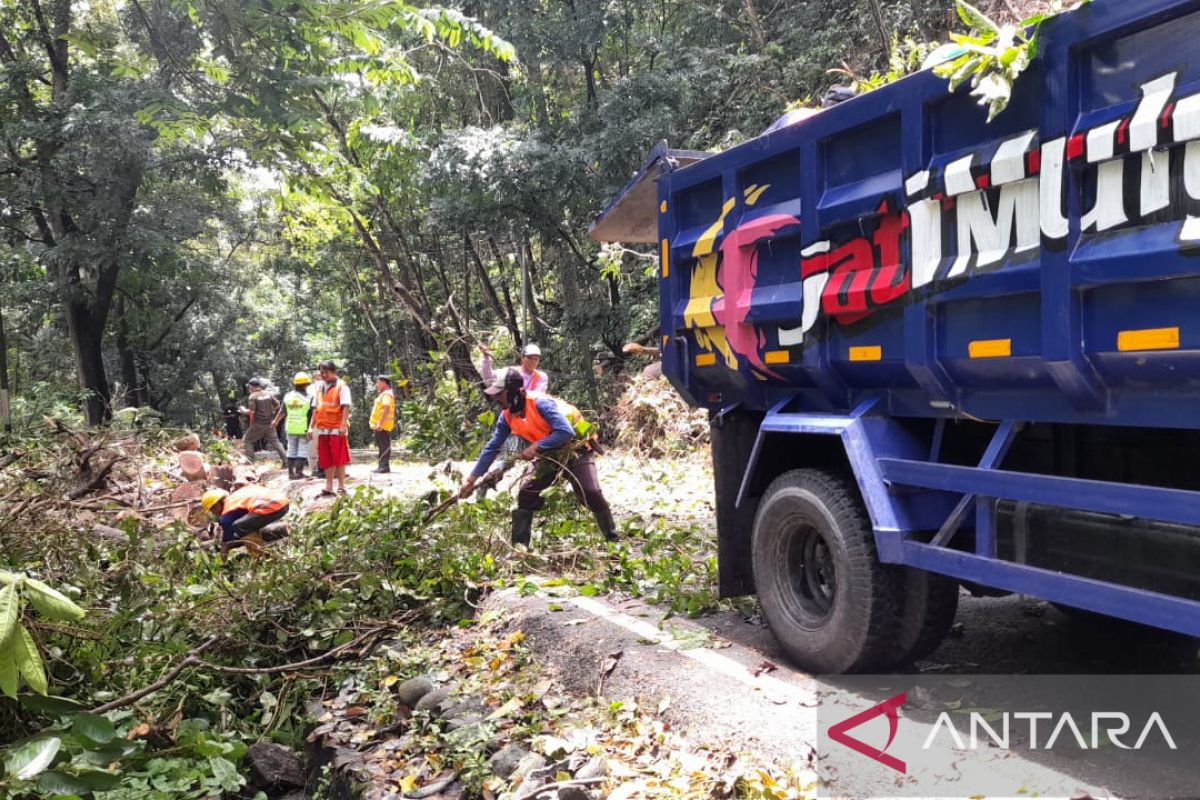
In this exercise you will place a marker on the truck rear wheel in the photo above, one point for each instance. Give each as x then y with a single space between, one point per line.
928 605
824 593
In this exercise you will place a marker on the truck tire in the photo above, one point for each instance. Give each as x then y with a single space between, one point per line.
928 605
824 593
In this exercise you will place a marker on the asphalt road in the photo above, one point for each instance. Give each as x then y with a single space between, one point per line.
738 692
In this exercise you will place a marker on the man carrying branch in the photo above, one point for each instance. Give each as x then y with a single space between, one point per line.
562 441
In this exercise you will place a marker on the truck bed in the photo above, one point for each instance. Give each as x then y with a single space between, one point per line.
1044 267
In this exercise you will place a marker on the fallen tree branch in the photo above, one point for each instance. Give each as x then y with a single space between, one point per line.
96 482
11 458
192 659
298 664
550 787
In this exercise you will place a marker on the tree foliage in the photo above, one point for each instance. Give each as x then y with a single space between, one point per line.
193 193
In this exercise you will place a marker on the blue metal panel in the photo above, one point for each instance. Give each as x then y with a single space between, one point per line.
1123 602
840 175
868 437
1149 502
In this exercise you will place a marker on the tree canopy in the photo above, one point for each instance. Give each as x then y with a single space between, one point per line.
192 193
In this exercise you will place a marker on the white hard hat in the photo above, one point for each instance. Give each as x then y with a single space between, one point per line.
531 350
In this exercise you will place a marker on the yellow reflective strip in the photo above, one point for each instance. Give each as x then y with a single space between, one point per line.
990 348
665 340
868 353
666 257
1150 339
752 196
706 359
777 357
662 207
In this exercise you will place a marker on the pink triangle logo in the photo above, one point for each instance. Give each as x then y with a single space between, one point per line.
891 708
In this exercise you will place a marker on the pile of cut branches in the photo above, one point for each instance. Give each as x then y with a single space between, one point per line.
653 420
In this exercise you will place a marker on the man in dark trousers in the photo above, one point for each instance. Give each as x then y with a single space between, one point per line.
263 409
561 442
383 421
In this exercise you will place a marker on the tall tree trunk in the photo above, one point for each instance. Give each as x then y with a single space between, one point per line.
129 372
541 109
489 292
226 396
86 333
760 39
508 303
5 408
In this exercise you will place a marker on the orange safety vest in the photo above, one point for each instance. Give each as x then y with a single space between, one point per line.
533 427
537 382
255 500
329 408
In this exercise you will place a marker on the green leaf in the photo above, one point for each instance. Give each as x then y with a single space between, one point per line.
226 773
10 606
50 704
975 18
9 678
51 603
94 728
30 759
60 783
29 661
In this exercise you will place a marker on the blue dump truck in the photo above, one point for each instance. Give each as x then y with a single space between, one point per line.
941 352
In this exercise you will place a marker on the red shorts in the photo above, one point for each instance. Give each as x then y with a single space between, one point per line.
332 451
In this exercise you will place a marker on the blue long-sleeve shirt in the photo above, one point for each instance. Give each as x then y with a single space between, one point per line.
561 433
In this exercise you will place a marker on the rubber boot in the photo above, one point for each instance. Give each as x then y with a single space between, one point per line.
522 526
300 462
608 527
291 465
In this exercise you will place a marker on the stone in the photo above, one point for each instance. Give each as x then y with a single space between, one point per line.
462 722
595 768
504 761
412 690
192 465
530 762
471 708
273 765
189 442
109 534
573 793
432 700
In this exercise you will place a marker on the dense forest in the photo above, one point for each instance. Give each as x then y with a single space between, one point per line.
194 193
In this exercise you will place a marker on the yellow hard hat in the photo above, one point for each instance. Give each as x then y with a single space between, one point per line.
212 497
302 378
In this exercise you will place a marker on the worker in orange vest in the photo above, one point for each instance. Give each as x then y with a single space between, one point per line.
330 427
560 442
244 513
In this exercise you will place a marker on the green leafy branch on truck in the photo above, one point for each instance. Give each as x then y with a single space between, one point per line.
994 55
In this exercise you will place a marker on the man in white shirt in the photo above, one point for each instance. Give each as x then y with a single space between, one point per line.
330 427
531 356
